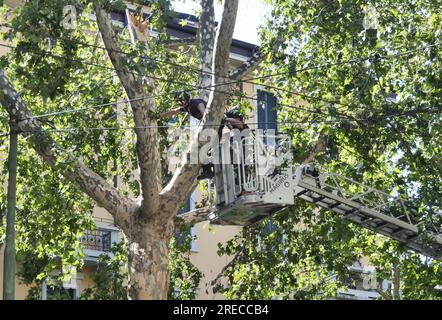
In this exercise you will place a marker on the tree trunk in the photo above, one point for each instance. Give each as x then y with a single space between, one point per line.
396 282
147 222
148 249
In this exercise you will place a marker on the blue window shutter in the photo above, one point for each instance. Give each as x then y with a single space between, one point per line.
186 208
270 227
267 113
180 237
261 109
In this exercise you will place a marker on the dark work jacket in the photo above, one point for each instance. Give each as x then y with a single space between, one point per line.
192 108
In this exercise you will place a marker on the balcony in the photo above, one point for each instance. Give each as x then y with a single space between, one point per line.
98 242
362 284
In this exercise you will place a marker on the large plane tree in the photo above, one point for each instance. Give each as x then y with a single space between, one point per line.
55 66
360 87
364 103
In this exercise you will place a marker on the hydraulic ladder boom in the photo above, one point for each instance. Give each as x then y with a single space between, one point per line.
248 191
368 208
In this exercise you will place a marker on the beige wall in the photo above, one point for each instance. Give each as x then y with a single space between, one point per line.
20 289
102 215
206 258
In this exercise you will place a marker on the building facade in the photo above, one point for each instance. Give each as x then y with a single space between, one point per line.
204 248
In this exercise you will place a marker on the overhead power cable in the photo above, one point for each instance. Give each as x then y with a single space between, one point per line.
186 84
408 113
375 56
172 81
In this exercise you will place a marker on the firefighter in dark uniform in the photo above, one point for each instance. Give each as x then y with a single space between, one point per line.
196 108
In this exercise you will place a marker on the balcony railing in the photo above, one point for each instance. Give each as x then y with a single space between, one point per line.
98 240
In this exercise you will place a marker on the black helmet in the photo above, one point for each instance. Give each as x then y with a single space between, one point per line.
181 96
234 113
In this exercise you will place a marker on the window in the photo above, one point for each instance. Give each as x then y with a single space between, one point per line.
57 290
60 293
193 246
267 113
180 236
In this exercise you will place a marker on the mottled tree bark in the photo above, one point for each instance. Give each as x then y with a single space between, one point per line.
207 29
192 217
319 147
149 222
148 246
396 284
147 146
152 226
183 180
72 168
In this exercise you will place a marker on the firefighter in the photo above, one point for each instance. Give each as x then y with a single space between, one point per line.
197 107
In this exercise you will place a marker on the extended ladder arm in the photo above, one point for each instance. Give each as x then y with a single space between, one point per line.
369 208
261 183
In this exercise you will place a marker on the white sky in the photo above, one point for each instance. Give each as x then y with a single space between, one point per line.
251 14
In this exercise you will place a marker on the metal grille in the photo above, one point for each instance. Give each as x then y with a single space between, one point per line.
370 208
97 240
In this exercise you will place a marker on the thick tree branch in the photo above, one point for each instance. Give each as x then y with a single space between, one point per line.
131 85
396 293
183 180
383 294
247 66
319 147
207 28
376 119
223 39
190 218
237 258
147 146
139 27
72 168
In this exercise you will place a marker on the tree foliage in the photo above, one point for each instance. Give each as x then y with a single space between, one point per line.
57 69
110 278
374 99
185 277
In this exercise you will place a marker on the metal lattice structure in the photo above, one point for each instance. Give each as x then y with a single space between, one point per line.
253 179
370 208
251 189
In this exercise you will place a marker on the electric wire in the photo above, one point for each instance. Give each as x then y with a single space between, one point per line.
187 85
199 88
176 82
239 80
403 114
375 56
